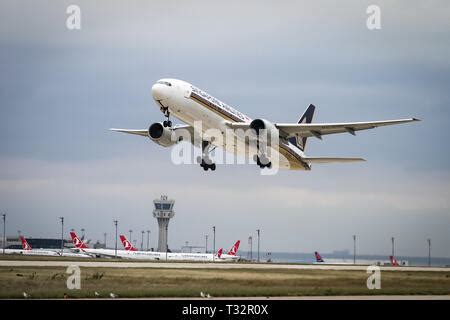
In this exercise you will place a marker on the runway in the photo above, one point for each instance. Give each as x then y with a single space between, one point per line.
194 265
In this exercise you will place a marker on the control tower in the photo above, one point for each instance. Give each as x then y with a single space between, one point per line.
163 213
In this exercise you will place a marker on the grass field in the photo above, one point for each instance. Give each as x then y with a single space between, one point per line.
50 282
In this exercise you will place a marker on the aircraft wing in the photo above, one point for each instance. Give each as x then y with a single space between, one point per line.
319 129
331 159
144 132
139 132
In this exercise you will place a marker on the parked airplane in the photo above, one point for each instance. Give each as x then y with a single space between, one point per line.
394 261
318 257
320 260
98 253
190 104
27 250
177 256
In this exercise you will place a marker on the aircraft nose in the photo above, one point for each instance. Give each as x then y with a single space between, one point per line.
160 91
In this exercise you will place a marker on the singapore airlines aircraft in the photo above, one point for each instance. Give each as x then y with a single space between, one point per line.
190 104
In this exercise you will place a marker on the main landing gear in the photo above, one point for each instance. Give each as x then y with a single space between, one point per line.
263 161
261 158
205 161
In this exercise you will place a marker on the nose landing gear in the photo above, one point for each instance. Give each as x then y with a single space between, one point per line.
167 123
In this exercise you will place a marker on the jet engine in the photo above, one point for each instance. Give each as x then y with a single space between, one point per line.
262 124
161 135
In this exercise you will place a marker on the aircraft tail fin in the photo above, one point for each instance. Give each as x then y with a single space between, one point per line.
127 244
79 244
219 253
307 117
394 261
234 249
318 257
25 244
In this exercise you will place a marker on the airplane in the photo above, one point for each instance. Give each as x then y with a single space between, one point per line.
191 104
394 261
27 250
232 253
97 253
320 260
176 256
318 257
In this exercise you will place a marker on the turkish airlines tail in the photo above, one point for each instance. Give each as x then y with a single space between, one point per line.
79 244
234 249
127 244
318 257
219 253
394 261
25 245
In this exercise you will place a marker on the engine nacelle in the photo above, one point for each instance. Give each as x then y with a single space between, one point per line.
161 135
262 124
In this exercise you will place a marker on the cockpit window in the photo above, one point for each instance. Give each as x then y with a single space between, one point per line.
165 83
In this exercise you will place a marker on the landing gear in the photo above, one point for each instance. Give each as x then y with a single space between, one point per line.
205 161
263 161
167 123
261 158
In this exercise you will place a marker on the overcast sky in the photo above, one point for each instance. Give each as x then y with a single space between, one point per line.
61 90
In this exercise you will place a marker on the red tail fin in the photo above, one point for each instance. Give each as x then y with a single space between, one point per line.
25 245
127 244
318 257
79 244
219 253
234 249
393 261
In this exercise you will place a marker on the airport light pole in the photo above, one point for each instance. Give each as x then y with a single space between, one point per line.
19 233
104 240
148 240
393 239
62 235
82 233
429 252
131 239
142 240
4 232
354 249
115 247
206 243
167 244
250 242
258 231
214 241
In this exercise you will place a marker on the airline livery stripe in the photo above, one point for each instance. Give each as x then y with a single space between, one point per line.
214 107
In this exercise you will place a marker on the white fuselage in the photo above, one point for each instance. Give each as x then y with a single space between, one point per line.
190 104
33 252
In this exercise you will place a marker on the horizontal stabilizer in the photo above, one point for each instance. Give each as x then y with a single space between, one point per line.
331 160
